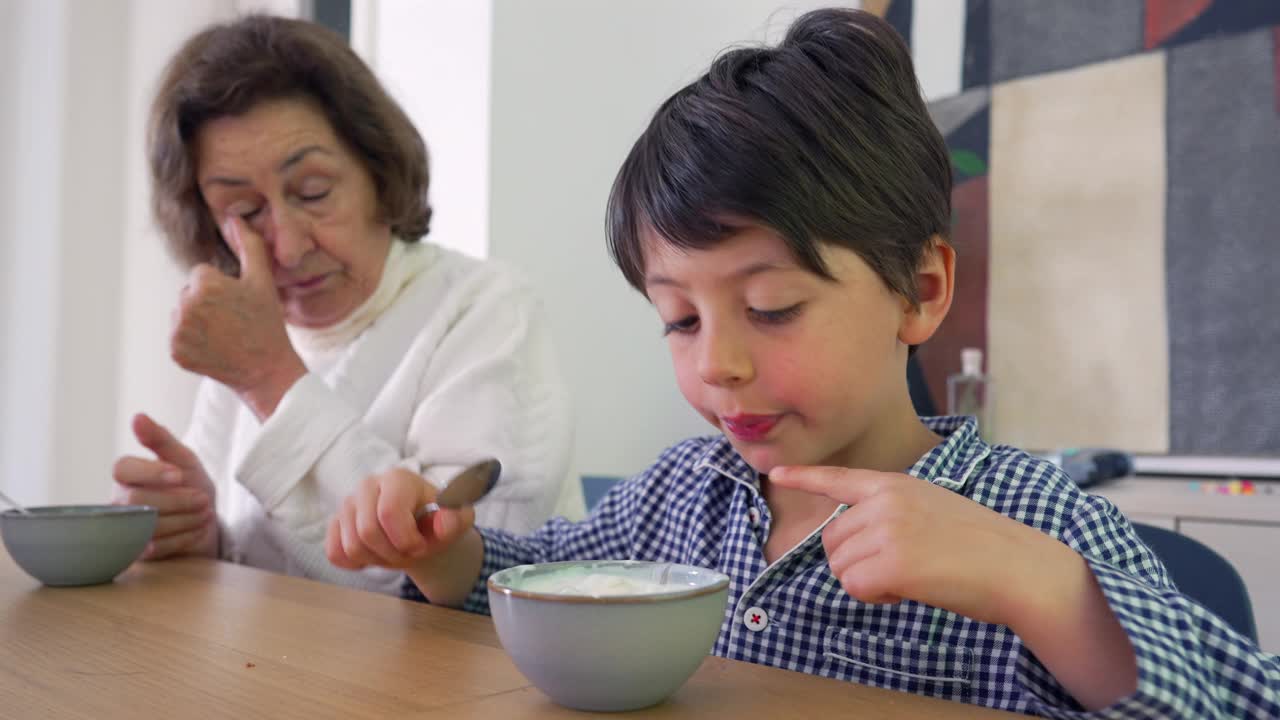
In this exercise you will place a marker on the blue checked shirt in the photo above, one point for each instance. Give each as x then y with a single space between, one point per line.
700 504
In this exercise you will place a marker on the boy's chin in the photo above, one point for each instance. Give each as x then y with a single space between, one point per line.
763 457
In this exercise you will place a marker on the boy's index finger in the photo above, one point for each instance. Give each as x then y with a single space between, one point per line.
844 485
250 250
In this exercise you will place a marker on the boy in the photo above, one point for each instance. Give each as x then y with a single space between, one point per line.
786 214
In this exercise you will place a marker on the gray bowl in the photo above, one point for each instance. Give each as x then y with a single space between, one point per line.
77 544
608 653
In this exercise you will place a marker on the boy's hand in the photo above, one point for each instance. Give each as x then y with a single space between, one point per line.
906 538
375 525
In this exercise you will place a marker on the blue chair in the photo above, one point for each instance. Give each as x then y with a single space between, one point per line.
594 487
1203 575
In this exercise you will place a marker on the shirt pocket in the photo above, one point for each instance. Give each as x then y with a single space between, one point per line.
941 671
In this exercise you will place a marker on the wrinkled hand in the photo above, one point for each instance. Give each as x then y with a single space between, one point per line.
231 329
177 486
906 538
375 525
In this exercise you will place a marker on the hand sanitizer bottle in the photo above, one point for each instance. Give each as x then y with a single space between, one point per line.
969 391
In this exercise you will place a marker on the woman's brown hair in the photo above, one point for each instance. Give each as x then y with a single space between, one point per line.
229 68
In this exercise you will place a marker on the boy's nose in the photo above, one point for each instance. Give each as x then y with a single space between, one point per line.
288 236
724 360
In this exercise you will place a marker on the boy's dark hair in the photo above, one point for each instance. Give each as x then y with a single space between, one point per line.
229 68
824 138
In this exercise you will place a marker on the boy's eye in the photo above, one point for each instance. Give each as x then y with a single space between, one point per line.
777 317
682 325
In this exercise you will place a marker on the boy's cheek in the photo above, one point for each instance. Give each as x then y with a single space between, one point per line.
691 388
687 379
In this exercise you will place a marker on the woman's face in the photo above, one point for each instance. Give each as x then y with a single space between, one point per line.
282 168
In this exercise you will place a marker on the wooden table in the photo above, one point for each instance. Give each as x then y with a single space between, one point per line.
204 639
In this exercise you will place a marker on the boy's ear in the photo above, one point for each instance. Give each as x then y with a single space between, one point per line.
935 283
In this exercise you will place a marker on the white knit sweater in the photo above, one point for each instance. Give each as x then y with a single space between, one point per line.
449 361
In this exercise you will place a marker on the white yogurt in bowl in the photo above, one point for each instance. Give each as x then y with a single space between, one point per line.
579 580
607 579
595 585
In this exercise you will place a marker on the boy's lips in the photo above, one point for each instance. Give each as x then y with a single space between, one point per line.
750 428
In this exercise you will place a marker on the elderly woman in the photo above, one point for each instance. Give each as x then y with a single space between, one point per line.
334 343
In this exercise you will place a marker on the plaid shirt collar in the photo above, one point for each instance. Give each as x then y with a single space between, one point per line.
951 463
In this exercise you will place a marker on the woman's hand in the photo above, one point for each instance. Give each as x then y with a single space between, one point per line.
231 329
177 486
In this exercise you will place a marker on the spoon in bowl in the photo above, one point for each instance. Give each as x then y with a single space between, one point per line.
16 506
466 488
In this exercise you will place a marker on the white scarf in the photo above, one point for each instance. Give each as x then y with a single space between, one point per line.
404 262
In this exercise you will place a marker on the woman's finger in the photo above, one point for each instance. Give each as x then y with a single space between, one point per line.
178 523
180 544
141 472
251 251
178 501
159 440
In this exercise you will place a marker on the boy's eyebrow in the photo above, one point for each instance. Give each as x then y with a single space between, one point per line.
744 272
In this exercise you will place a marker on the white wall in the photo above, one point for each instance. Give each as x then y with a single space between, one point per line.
434 58
61 219
147 380
528 108
34 63
937 46
91 207
8 138
574 83
87 286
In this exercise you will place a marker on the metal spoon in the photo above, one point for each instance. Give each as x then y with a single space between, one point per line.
14 505
466 488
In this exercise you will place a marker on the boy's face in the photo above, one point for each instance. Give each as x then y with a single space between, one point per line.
793 368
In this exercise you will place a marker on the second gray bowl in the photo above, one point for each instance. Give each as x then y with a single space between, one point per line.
77 544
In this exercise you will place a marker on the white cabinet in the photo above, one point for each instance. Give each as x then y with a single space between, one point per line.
1245 529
